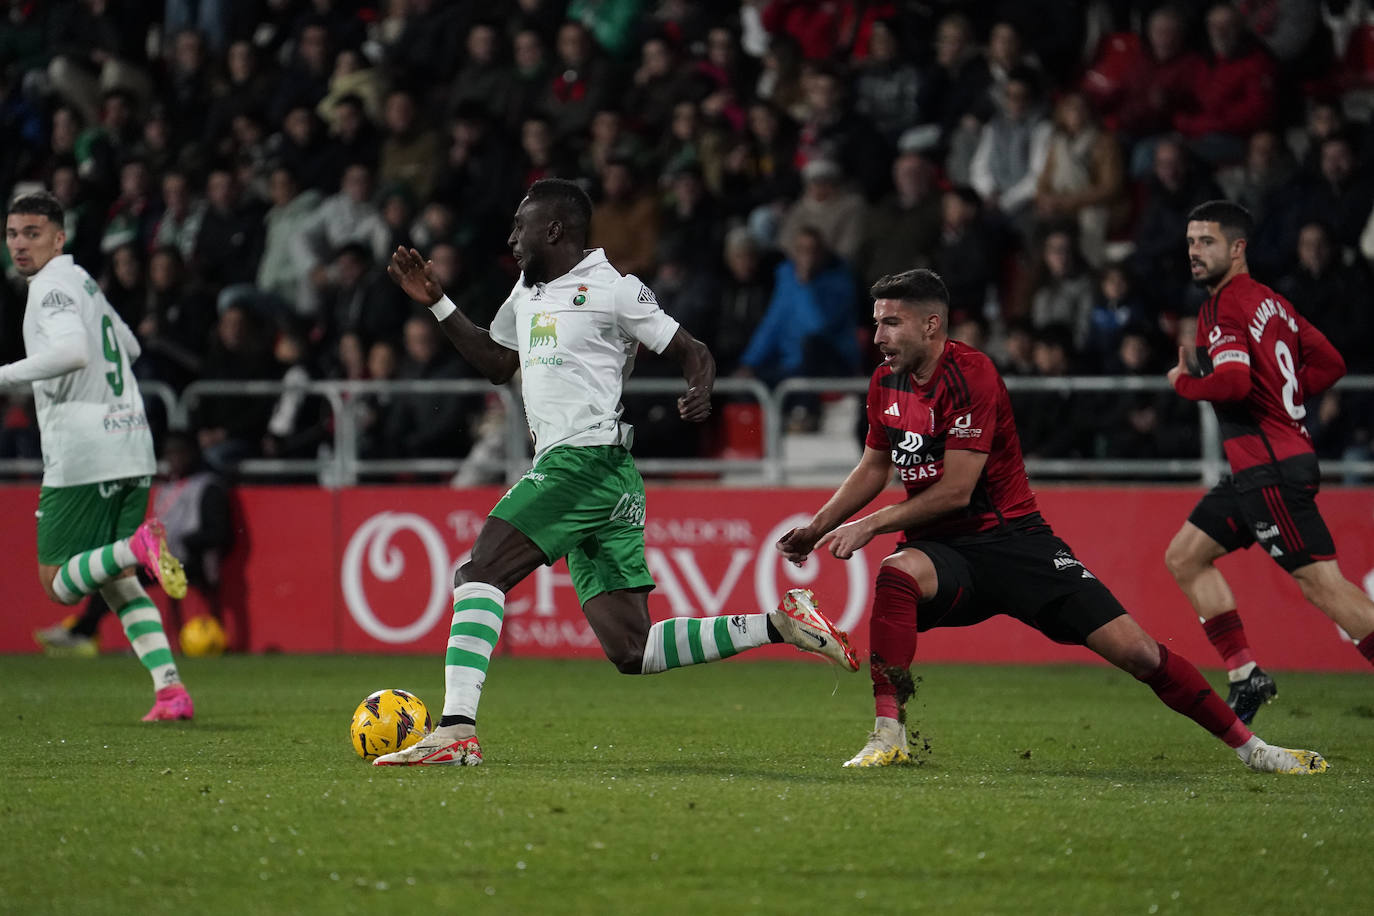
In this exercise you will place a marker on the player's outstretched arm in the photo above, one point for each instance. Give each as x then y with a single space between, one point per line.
950 493
415 275
699 368
65 350
864 483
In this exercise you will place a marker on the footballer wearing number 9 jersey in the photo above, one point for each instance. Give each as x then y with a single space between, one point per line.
1258 360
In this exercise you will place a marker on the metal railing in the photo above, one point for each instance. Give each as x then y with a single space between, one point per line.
342 466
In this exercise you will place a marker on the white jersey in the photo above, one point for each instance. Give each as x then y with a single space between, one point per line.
80 353
577 337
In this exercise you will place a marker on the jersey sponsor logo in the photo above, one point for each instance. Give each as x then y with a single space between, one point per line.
646 296
919 472
58 301
1065 560
1268 309
963 428
1215 335
892 411
1266 532
543 330
906 450
629 509
1231 356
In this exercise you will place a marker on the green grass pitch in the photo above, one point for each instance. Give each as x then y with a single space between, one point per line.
711 790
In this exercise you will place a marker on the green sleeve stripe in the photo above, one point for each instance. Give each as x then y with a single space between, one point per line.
157 658
480 630
724 644
478 604
670 644
464 659
694 640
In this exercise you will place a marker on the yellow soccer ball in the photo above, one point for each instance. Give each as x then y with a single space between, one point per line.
387 721
202 636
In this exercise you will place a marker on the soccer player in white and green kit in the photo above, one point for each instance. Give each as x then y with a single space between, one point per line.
571 326
97 450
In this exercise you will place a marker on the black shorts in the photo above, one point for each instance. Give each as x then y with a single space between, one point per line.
1279 513
1023 571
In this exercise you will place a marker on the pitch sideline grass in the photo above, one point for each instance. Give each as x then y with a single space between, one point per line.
715 790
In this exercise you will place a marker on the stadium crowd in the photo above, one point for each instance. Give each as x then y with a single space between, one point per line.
237 173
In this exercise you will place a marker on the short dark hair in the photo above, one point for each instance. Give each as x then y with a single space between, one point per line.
919 285
567 203
1235 221
40 203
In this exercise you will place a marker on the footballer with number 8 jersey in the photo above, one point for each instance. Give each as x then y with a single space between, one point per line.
1258 360
97 450
974 543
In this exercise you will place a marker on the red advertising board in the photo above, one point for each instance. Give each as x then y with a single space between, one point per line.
370 570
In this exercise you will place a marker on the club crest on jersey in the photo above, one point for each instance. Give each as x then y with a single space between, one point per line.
581 298
543 330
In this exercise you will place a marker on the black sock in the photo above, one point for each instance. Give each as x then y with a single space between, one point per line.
89 621
456 720
773 634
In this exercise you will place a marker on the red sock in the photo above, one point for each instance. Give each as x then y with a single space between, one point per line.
892 636
1366 647
1184 690
1227 633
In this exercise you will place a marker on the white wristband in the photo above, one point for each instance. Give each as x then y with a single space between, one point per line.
443 308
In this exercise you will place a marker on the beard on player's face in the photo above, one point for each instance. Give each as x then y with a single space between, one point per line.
1211 273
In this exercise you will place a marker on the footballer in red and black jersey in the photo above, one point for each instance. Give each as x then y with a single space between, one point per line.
965 405
1260 361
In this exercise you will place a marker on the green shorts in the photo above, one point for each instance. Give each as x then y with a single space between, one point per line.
72 520
585 503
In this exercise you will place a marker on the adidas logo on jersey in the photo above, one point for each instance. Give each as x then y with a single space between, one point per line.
892 411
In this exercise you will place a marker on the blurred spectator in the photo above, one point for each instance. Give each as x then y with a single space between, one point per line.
175 328
422 54
1018 349
1137 87
1341 195
1233 96
229 242
306 80
124 283
478 178
229 429
211 18
373 410
887 84
352 139
780 79
609 22
625 222
827 207
244 86
607 139
901 232
956 85
428 425
657 85
484 77
194 508
358 298
1175 186
1056 423
1012 150
100 148
83 220
409 152
581 82
746 290
97 47
1145 424
968 255
691 223
689 139
1061 293
185 86
179 223
302 147
1334 295
832 131
1082 178
530 76
299 423
1116 307
1324 119
1268 166
826 30
348 216
759 171
478 289
1006 54
353 76
280 272
809 327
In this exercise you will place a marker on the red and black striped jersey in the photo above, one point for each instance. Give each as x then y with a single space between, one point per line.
1289 360
965 405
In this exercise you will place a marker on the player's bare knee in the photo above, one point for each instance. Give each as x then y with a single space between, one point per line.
1181 562
627 655
916 565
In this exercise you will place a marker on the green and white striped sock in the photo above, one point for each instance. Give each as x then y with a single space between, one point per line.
86 572
478 609
143 626
681 641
